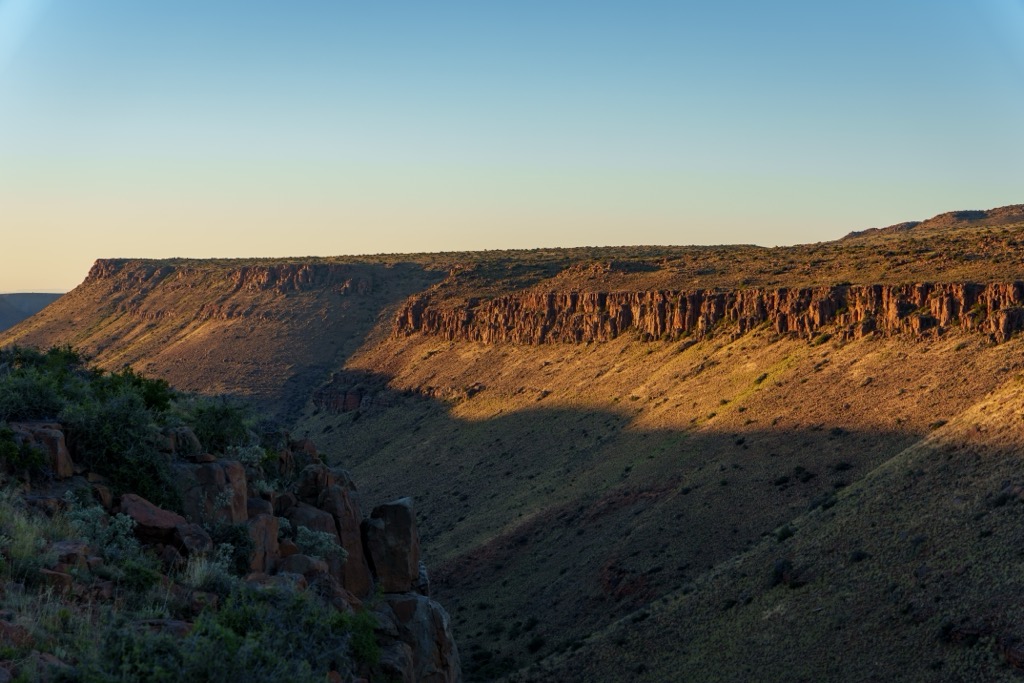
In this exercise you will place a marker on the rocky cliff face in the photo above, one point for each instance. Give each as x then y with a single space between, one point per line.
379 571
131 282
996 309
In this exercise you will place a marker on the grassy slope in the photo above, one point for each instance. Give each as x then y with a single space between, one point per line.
940 524
583 482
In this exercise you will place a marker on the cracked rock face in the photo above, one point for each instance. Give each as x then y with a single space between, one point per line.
996 309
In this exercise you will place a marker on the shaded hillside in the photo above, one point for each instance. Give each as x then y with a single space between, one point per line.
17 307
565 487
913 575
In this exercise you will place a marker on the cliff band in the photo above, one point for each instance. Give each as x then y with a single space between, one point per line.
852 311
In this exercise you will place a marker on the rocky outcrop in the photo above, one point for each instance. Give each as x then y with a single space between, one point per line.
152 524
47 437
850 311
393 545
413 632
424 626
417 641
213 491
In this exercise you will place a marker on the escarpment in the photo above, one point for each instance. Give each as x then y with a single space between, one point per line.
852 311
232 291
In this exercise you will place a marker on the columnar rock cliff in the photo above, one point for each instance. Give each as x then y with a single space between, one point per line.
996 309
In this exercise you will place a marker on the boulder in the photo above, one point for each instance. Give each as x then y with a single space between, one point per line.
396 663
313 479
287 547
213 491
15 635
258 506
312 518
303 565
263 530
193 539
49 438
181 441
425 627
285 502
152 524
344 508
393 545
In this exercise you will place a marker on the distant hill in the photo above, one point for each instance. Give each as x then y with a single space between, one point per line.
16 307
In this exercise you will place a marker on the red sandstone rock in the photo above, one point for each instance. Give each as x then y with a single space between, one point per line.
313 479
263 532
303 565
392 545
15 635
342 505
152 524
576 317
214 491
425 627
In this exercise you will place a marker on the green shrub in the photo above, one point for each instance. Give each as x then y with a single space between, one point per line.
364 642
319 544
219 423
29 394
270 635
113 537
19 457
241 545
117 437
111 420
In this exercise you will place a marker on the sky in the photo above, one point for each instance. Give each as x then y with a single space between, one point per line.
240 128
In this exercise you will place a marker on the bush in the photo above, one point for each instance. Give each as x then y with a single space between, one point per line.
111 420
237 537
117 437
114 537
219 423
319 544
19 457
29 394
270 635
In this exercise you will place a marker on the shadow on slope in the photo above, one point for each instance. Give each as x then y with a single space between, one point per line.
913 574
546 525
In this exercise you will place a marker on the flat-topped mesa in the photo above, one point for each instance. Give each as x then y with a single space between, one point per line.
128 274
850 311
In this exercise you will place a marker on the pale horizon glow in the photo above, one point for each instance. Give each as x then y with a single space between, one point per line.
328 128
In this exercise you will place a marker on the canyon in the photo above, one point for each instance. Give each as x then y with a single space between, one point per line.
646 463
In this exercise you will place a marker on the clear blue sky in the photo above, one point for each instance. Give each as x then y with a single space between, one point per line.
255 128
